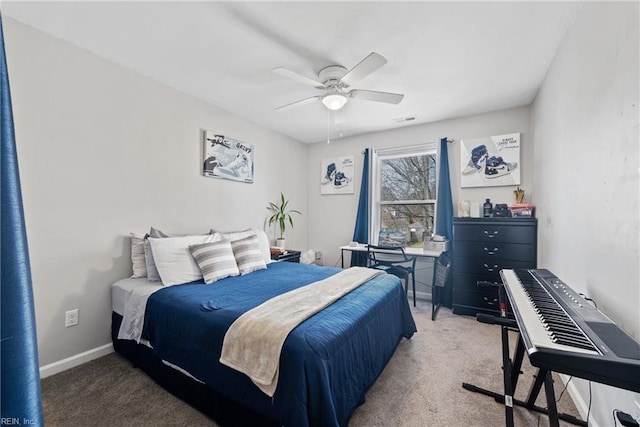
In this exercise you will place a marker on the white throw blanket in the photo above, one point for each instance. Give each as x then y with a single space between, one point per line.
253 343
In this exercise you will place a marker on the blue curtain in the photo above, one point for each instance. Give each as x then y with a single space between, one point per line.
20 394
361 231
444 211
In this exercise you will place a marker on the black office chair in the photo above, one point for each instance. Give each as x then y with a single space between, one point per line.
394 260
440 275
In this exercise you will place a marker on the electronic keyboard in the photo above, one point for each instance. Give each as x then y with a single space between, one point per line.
564 333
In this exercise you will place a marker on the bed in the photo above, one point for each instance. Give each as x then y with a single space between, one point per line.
327 364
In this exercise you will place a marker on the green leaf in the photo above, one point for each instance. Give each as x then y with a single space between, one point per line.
281 215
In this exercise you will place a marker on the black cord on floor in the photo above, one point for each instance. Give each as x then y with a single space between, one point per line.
560 397
564 389
589 410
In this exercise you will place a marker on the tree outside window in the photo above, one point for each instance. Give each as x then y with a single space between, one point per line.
407 197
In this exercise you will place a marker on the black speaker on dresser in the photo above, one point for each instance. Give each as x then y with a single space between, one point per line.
481 248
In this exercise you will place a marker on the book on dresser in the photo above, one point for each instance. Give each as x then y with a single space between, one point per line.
481 248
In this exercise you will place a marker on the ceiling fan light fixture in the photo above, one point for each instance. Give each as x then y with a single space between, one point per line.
334 101
334 79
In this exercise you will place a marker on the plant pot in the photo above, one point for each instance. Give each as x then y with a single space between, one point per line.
280 242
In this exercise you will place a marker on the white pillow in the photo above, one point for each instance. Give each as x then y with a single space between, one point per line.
215 259
173 259
152 271
154 232
235 235
138 258
248 255
263 240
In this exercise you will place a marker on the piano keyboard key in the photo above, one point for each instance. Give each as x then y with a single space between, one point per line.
547 323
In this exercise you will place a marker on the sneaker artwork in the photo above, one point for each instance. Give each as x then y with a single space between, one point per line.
340 180
496 167
236 167
330 175
478 156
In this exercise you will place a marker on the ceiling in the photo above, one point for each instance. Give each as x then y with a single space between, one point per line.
450 59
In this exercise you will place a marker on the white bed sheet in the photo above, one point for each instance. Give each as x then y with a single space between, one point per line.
128 299
122 288
131 295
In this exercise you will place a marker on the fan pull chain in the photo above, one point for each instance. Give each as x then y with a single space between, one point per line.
328 125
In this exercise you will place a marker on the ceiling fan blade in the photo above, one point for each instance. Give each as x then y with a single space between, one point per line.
367 66
298 77
372 95
298 103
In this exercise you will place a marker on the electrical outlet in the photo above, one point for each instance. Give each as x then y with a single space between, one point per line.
636 412
71 318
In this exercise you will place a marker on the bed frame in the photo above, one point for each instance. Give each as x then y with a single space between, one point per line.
222 410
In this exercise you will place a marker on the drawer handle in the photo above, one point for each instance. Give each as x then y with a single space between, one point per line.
491 235
490 302
490 251
491 269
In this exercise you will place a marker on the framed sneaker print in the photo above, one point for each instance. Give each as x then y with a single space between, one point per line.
227 158
490 161
336 175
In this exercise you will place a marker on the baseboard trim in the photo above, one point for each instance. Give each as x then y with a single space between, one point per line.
76 360
581 404
420 295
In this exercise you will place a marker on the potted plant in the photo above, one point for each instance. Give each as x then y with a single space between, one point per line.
281 216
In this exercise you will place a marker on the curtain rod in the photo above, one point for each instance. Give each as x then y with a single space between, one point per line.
449 141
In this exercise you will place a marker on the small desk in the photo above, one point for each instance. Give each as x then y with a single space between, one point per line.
409 251
418 252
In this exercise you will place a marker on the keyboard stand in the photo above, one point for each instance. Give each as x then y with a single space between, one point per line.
511 370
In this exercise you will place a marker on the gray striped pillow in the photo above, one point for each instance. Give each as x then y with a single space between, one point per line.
248 254
215 259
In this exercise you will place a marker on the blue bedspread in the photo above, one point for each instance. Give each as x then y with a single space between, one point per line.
328 362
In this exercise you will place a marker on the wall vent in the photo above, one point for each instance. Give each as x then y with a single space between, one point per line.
405 119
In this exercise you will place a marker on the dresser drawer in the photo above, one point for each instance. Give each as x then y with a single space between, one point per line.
495 250
470 302
487 267
494 233
470 281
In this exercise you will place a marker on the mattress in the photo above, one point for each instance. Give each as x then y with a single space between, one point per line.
121 288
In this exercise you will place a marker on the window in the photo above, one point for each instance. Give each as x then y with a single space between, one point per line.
404 195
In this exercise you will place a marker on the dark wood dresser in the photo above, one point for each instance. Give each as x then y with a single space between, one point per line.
481 248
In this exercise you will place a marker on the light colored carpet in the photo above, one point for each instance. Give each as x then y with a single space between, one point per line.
421 385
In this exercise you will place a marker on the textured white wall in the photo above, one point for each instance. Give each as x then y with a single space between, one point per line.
103 152
585 133
332 217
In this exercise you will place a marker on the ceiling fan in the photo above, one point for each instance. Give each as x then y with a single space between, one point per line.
334 79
